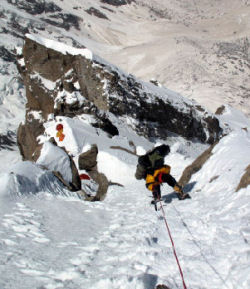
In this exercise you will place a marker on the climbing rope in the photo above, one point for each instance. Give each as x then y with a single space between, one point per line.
199 247
173 246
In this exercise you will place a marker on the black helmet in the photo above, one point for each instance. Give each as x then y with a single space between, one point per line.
163 150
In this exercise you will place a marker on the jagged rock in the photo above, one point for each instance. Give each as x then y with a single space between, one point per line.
245 179
97 13
27 139
87 160
162 287
6 55
48 12
61 163
108 9
64 20
220 110
79 84
196 165
106 125
102 182
7 140
35 7
117 2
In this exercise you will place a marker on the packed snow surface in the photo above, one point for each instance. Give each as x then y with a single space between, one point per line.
51 238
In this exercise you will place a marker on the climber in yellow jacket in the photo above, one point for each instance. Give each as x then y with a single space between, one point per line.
151 167
159 176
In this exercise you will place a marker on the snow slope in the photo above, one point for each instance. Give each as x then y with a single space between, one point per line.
51 238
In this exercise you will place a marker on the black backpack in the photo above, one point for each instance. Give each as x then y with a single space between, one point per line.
151 161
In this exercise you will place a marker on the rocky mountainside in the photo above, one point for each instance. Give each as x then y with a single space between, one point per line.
175 43
200 50
84 122
62 81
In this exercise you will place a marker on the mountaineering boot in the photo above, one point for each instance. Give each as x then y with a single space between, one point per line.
180 194
183 196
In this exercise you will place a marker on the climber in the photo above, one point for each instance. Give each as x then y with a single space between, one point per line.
59 133
151 167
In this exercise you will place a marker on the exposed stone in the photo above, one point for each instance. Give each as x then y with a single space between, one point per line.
63 20
106 8
100 89
123 149
97 13
6 55
87 160
48 63
7 140
35 7
245 180
162 287
220 110
117 2
155 82
106 125
27 139
196 165
102 182
74 183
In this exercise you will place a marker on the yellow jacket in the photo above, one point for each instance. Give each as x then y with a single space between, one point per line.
152 180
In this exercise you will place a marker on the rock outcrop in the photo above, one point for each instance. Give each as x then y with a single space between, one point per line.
57 160
117 2
245 180
196 165
7 140
88 161
162 287
72 81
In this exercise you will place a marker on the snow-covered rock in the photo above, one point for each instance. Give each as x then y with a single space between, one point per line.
55 159
85 83
222 166
27 178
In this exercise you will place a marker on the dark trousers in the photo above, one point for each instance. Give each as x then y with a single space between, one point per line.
166 178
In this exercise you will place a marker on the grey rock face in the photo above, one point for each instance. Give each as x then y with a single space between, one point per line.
48 12
35 7
7 140
6 55
96 12
100 89
117 2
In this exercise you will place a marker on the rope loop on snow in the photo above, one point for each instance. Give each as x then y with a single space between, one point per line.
173 246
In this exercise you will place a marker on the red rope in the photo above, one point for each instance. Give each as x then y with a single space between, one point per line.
173 246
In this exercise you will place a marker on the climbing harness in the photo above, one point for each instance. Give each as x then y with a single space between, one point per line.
173 246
